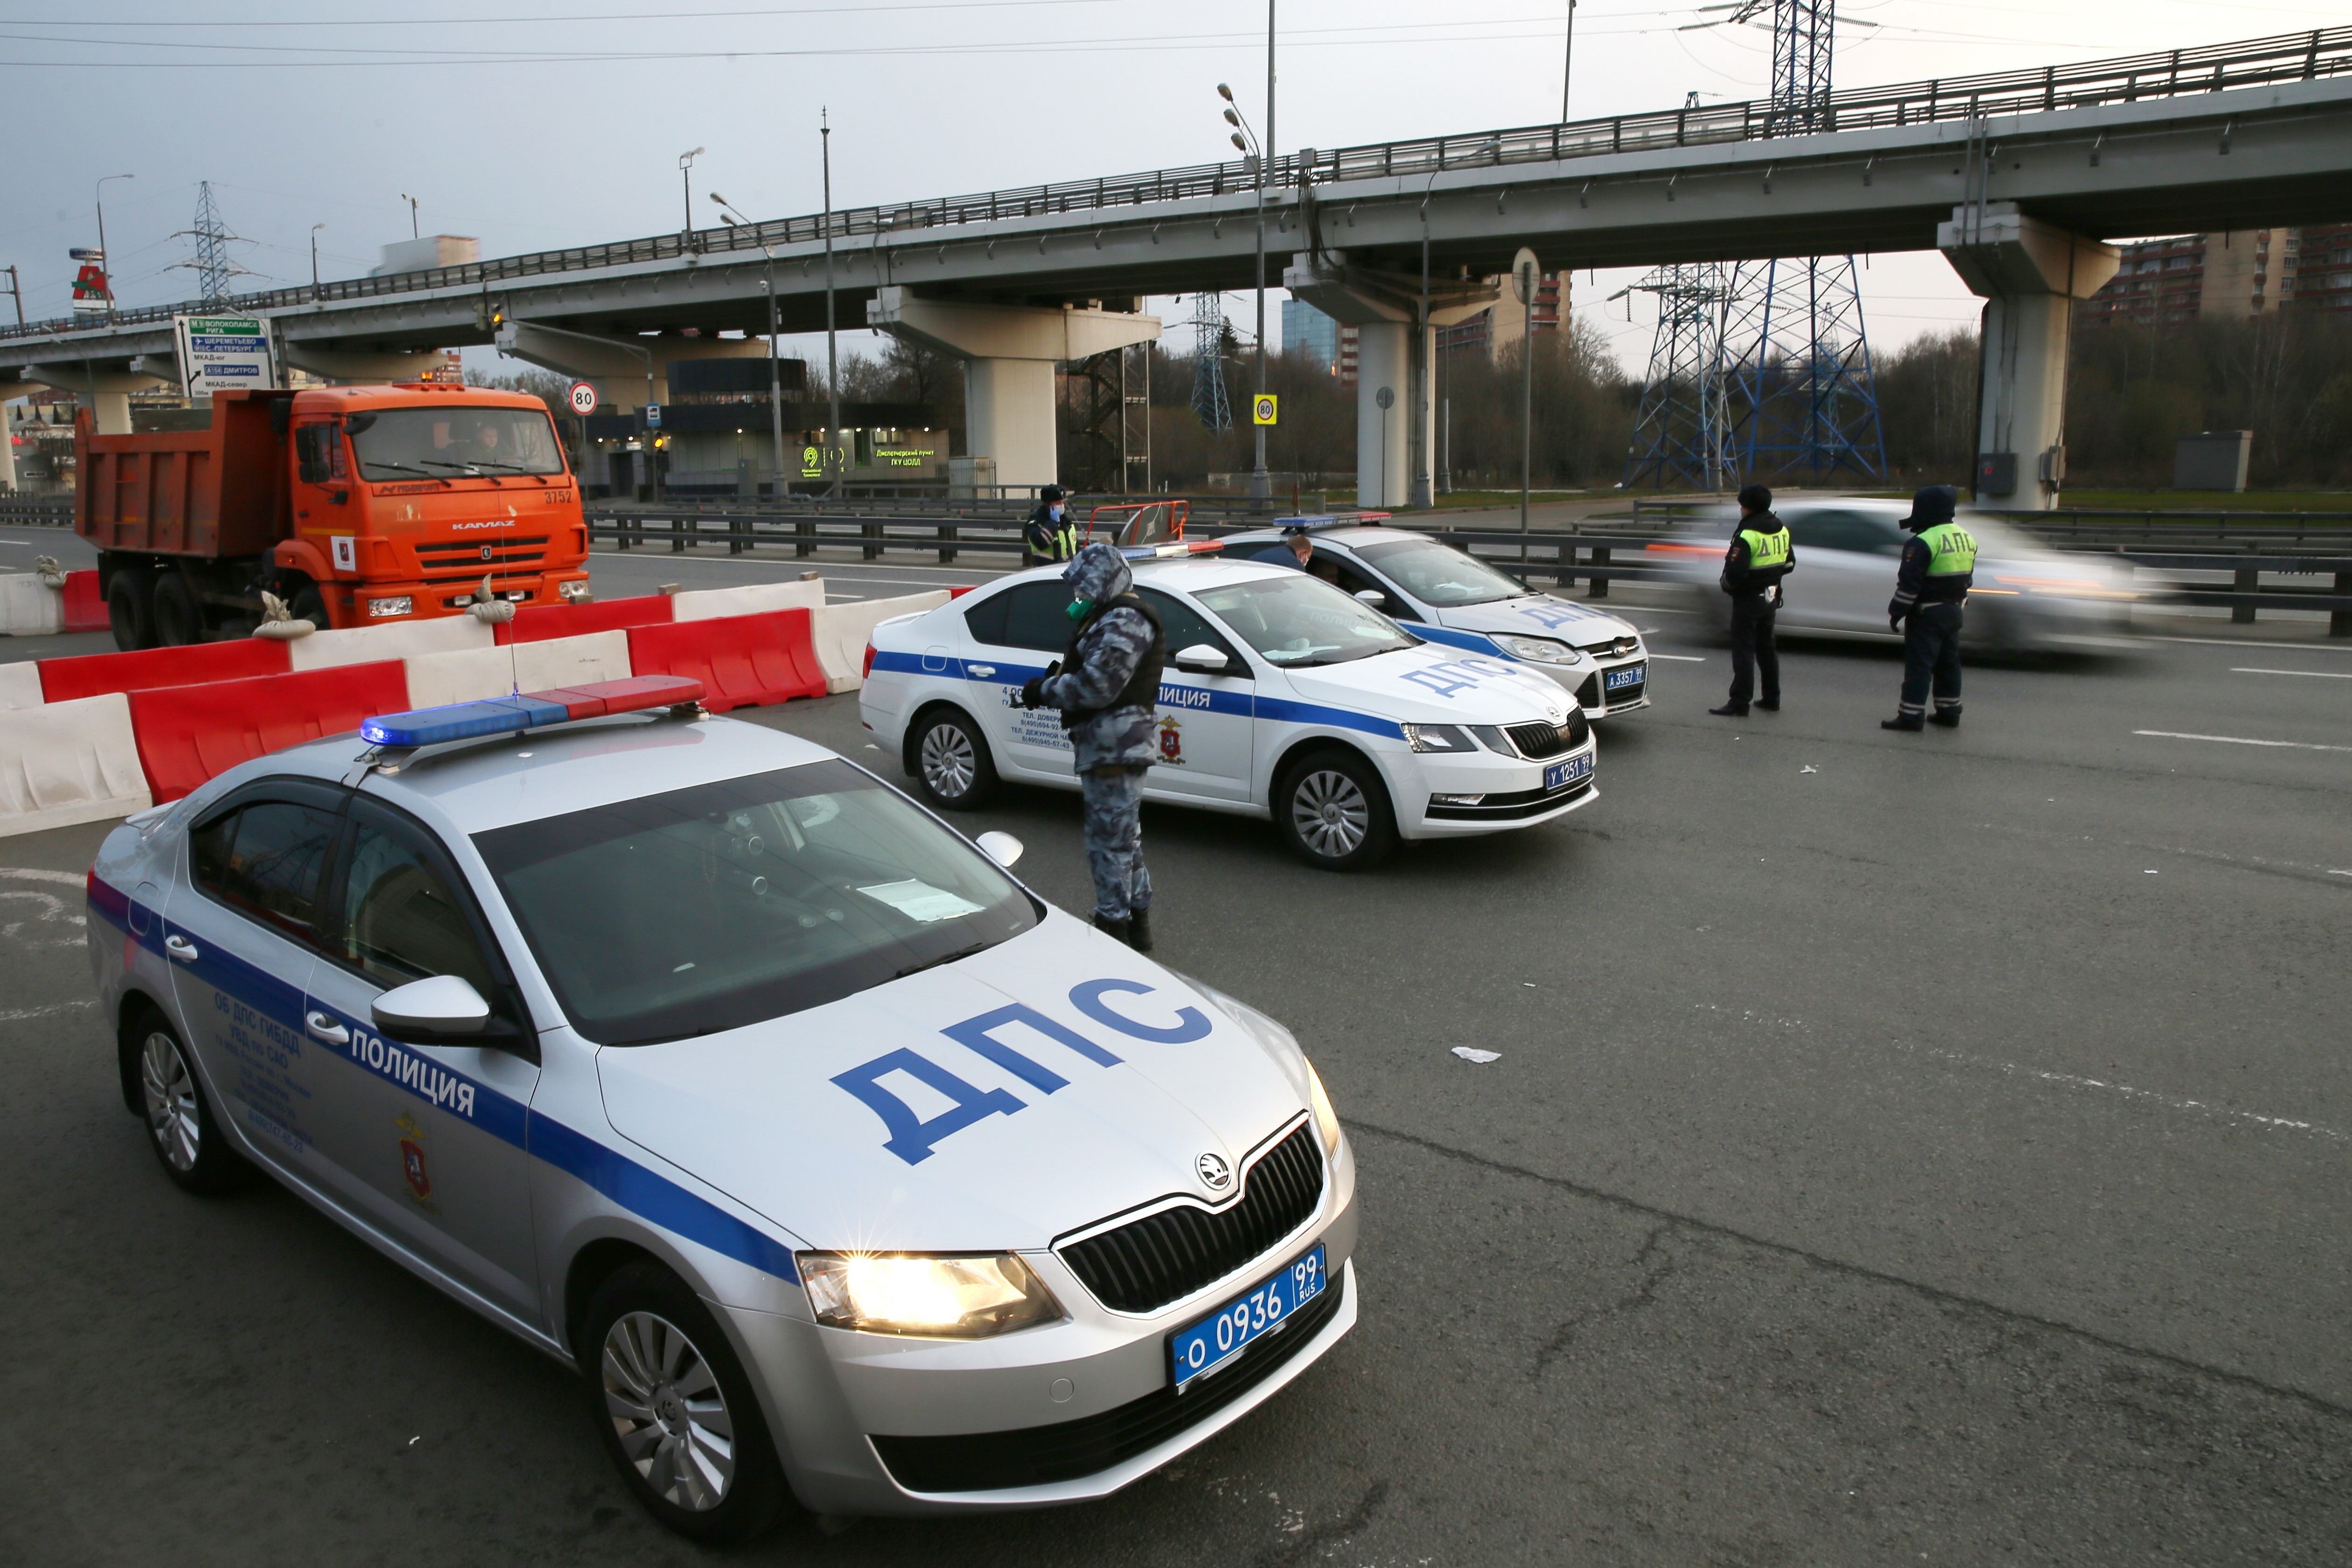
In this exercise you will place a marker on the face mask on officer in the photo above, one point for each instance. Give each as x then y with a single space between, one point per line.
1078 608
1054 512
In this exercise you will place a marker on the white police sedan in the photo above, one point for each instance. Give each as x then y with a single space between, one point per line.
1281 697
834 1159
1450 596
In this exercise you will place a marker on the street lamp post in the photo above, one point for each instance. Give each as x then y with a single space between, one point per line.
314 261
775 370
1567 61
831 360
97 199
686 184
1247 141
413 233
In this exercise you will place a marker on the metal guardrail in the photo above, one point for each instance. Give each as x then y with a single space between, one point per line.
2289 56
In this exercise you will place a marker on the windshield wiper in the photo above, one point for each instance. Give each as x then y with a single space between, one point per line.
943 958
404 468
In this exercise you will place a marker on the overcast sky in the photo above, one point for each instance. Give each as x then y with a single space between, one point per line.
537 123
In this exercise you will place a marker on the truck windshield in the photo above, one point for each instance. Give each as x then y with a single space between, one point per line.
723 904
453 441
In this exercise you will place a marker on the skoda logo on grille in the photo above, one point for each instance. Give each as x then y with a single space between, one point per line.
1215 1173
486 552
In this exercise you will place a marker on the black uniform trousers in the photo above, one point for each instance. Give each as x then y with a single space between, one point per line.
1751 649
1931 654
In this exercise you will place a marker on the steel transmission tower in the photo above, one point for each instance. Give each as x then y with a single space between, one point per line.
212 265
1678 435
1210 404
1796 359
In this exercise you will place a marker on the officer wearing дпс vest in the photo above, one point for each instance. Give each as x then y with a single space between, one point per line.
1940 562
1108 687
1759 557
1051 534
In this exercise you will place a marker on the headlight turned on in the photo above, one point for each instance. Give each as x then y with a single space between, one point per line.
934 1298
1438 737
1327 1120
1542 650
403 605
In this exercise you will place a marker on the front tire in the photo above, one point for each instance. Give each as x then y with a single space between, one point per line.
674 1409
181 1129
948 757
179 620
1332 809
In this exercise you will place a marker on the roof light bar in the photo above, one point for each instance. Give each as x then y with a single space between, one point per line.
1171 549
1328 520
528 710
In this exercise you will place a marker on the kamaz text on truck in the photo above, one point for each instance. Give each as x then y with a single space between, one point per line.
356 505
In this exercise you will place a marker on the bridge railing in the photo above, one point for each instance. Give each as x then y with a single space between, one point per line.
2289 56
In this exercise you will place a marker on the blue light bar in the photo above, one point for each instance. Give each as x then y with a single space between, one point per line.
1328 520
461 721
1171 548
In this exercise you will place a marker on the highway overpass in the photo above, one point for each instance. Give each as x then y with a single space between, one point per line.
2019 176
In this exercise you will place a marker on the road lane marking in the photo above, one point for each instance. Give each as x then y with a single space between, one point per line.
2317 674
2240 740
2146 1096
18 1015
72 878
2235 642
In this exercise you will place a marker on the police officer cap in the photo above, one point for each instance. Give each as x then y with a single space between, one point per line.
1756 498
1934 504
1050 493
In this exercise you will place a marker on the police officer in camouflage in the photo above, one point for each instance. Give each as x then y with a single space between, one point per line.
1107 686
1940 563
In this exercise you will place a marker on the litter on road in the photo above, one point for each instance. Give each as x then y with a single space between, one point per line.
1471 1053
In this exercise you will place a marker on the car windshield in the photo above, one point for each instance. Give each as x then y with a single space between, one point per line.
718 905
1295 620
453 441
1440 574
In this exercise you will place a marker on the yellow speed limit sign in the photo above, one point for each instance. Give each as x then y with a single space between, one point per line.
1263 409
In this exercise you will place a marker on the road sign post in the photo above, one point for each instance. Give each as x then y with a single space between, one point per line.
1264 408
583 399
1526 278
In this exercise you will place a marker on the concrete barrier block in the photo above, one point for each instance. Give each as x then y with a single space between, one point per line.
63 763
20 685
393 640
840 632
31 608
755 599
471 673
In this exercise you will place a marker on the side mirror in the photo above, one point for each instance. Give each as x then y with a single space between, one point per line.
442 1005
1373 597
1002 848
1200 658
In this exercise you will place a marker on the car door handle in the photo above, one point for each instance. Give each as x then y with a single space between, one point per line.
983 671
325 1027
180 948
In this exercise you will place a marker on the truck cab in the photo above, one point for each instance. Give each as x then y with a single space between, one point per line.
356 505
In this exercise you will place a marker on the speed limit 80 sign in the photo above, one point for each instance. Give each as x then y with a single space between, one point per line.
583 399
1263 409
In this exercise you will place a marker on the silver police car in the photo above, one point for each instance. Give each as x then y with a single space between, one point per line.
839 1164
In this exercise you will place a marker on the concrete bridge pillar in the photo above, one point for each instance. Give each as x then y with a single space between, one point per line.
2030 274
1393 444
106 393
1009 352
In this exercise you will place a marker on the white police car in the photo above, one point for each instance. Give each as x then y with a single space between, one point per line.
699 1058
1282 696
1452 597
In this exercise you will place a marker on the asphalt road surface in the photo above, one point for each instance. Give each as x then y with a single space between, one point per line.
1924 1148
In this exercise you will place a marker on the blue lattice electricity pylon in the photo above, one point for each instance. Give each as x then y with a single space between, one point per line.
1210 404
1679 432
1796 356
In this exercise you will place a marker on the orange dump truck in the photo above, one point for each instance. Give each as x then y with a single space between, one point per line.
357 505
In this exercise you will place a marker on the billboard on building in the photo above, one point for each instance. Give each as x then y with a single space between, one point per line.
220 352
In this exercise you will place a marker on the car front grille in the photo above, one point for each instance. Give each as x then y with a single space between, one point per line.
1615 648
1536 741
1142 1266
459 560
1066 1450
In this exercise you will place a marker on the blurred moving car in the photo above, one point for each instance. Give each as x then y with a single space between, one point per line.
2028 596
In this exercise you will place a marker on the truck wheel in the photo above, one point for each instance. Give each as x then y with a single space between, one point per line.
129 608
178 619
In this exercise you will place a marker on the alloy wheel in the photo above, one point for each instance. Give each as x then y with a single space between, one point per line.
1329 813
170 1091
947 762
668 1412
